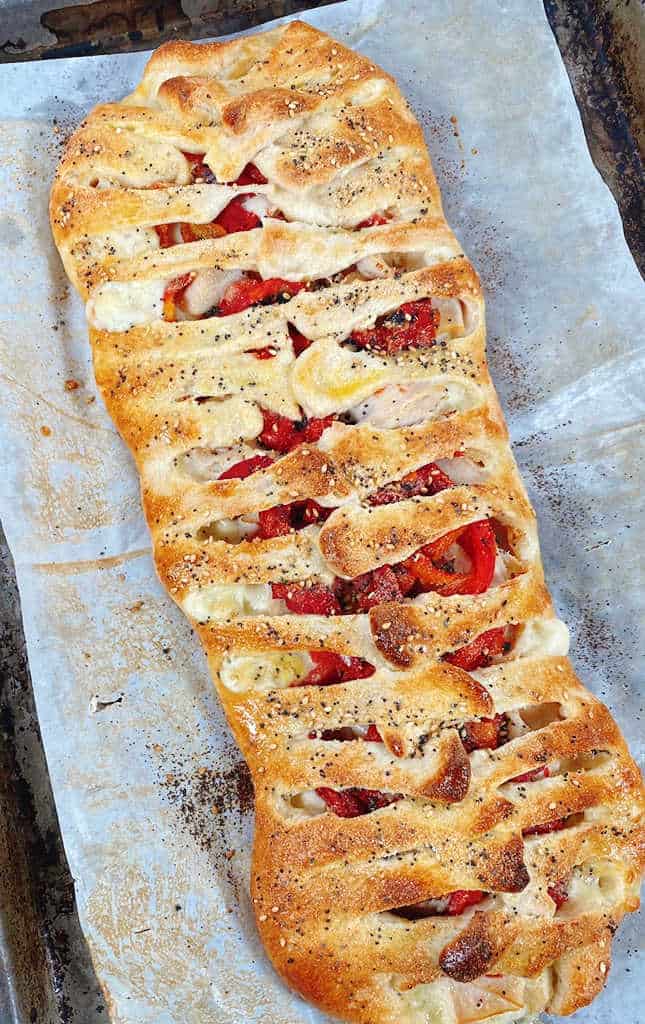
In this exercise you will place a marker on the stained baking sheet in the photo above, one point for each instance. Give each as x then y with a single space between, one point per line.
153 800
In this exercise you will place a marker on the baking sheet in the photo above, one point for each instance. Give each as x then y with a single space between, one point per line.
153 800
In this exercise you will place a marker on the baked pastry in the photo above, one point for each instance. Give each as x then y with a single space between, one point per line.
291 342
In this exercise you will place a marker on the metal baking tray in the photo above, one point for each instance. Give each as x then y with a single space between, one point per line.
46 975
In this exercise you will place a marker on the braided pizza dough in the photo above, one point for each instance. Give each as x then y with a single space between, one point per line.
355 910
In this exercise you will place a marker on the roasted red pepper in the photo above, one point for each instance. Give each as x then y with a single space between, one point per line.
425 480
282 519
484 733
283 435
478 541
418 574
251 292
242 469
300 343
480 651
315 600
373 221
558 892
268 352
346 734
461 899
351 803
548 826
173 295
250 176
330 668
274 522
365 592
166 234
413 325
373 735
235 217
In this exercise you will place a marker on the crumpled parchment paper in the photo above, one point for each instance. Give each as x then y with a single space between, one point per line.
154 803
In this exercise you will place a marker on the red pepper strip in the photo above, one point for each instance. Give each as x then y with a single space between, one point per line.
484 733
558 892
282 519
479 652
427 479
406 579
300 343
174 293
346 734
315 600
235 217
166 235
413 325
370 589
372 735
240 470
197 232
345 804
332 668
343 735
283 435
268 352
542 772
462 899
250 176
311 512
274 522
478 541
351 803
419 573
548 826
371 222
250 292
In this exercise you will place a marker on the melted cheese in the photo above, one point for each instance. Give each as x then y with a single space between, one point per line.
230 600
120 305
233 531
207 289
308 804
241 673
541 638
328 378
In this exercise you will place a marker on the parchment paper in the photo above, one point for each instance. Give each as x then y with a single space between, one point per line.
154 804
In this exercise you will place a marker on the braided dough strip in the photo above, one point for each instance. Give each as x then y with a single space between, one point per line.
335 142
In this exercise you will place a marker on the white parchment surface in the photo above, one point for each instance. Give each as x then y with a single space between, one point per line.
152 799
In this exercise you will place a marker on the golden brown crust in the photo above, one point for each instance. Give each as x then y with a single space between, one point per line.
337 143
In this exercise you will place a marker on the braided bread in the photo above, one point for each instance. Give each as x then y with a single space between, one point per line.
292 344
